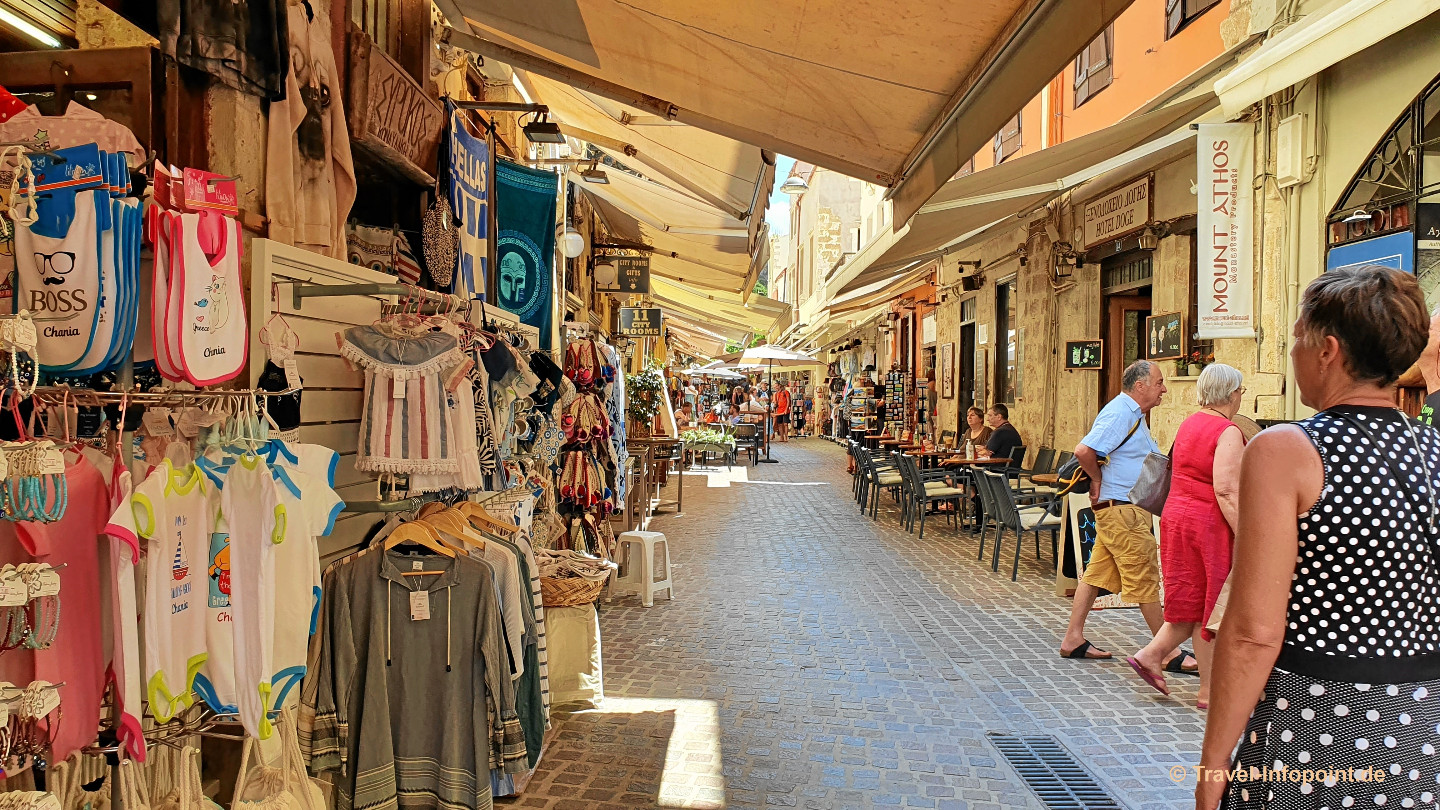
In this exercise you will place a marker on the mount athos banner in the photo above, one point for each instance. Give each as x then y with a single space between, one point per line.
525 216
1225 276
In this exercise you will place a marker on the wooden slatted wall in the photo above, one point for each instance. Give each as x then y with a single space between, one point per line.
330 406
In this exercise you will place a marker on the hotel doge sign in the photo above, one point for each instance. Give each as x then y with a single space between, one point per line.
1119 212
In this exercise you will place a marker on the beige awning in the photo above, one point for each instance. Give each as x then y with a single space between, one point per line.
734 177
717 312
693 242
972 204
883 290
902 96
1320 39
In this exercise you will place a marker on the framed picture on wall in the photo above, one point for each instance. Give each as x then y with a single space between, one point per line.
1164 336
947 370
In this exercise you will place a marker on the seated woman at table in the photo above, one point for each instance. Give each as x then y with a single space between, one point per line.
685 417
975 428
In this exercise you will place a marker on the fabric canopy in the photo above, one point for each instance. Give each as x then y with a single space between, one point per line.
885 289
902 98
733 177
1319 40
720 313
693 242
970 205
771 357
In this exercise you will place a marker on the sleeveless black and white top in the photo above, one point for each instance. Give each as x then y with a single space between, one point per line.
1365 597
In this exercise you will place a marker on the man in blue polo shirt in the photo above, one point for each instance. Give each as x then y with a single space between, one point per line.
1125 559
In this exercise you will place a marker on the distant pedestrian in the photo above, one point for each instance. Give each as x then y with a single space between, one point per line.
782 413
1198 526
1326 662
1124 558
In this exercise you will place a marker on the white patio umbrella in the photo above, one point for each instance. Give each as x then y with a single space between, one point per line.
768 357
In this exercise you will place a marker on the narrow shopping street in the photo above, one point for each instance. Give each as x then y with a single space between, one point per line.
815 659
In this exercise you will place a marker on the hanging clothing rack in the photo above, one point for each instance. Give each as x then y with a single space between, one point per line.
300 290
399 505
58 394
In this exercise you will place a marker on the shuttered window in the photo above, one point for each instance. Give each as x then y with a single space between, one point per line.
1093 67
1180 13
1007 140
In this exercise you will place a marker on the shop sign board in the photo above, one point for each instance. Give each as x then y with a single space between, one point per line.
388 112
1225 169
1119 212
1396 250
1088 354
632 274
640 321
1427 226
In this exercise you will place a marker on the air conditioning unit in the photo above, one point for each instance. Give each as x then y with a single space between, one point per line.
972 283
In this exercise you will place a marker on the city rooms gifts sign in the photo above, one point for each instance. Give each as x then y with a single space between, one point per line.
1224 242
1118 213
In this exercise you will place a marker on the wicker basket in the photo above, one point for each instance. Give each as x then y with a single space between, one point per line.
569 591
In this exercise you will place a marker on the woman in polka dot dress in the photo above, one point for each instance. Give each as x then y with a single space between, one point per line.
1327 665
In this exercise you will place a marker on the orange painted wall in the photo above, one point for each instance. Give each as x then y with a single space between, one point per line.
1145 63
1145 66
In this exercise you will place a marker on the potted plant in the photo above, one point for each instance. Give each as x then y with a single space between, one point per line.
642 400
1196 362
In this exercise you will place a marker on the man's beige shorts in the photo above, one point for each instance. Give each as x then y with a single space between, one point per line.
1125 559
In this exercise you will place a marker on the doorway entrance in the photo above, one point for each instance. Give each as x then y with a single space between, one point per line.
1125 282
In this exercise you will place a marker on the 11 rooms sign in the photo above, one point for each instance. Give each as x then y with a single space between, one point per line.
1225 206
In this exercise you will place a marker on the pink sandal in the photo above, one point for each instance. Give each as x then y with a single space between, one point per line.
1156 681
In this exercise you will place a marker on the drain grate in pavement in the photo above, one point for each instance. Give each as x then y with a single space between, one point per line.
1050 770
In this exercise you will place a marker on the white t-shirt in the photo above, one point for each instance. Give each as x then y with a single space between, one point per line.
172 512
251 504
311 508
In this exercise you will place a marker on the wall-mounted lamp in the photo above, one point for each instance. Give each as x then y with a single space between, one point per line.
571 242
1149 238
606 276
1023 254
595 174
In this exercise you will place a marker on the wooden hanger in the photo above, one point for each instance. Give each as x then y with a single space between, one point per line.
476 512
421 535
453 522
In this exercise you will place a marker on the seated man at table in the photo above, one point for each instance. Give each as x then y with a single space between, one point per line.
1004 437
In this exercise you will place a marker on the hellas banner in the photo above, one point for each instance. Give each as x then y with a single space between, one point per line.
1225 249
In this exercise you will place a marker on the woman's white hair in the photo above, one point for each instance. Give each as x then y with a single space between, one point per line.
1216 383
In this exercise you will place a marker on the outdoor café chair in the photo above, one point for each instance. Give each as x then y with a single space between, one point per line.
1019 519
925 488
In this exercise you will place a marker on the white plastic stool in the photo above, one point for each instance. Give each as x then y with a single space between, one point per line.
640 574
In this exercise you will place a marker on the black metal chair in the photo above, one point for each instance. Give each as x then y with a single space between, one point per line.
747 440
924 487
1019 519
881 476
1044 463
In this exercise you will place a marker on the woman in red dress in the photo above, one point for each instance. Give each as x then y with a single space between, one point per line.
1198 525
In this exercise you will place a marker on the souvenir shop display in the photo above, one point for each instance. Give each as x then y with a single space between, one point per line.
447 603
76 254
894 402
197 314
384 250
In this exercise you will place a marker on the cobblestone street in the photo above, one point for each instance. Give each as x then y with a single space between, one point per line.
813 658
